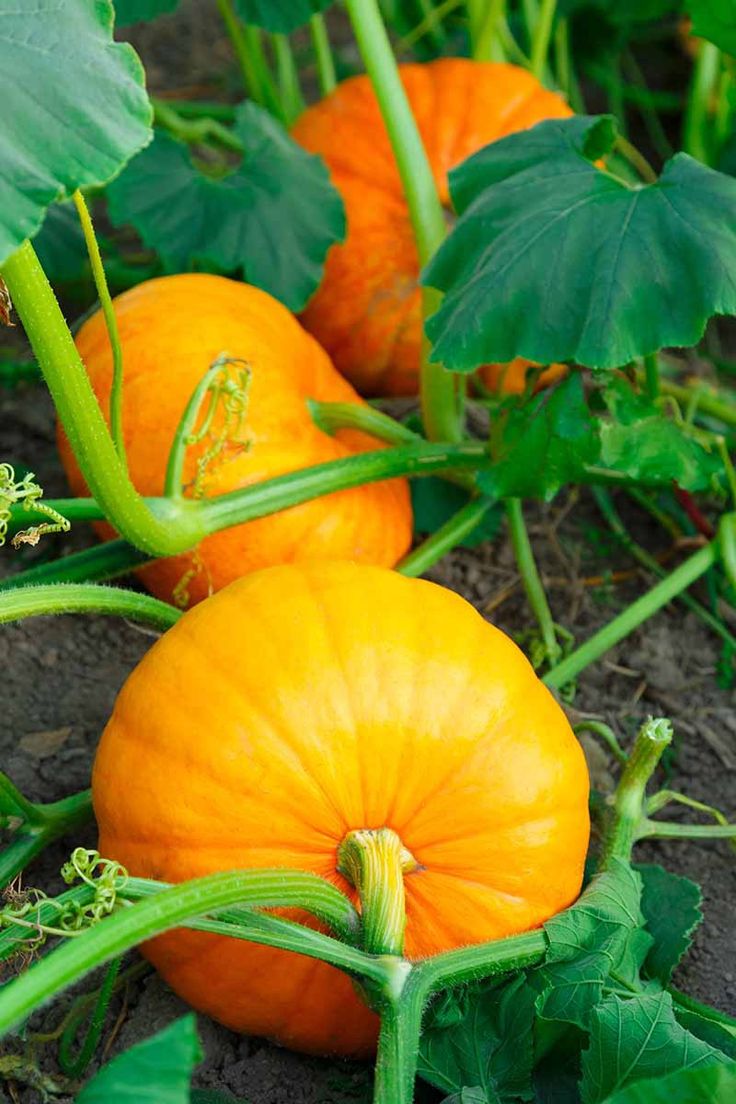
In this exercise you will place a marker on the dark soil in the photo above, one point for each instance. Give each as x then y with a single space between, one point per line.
61 675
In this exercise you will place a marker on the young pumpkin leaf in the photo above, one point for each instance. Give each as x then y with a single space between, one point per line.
75 122
281 16
636 267
273 218
710 1085
598 934
541 445
490 1048
671 907
157 1071
135 11
716 21
637 1038
639 442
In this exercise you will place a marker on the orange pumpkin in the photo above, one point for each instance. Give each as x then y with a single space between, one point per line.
367 312
171 330
305 701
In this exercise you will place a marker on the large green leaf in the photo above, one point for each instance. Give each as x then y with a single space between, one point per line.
280 15
74 108
587 942
637 1038
716 21
273 219
157 1071
489 1050
671 907
134 11
555 260
711 1085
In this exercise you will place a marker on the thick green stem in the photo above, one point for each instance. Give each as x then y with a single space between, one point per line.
248 49
398 1045
485 28
97 564
664 829
177 527
697 132
331 416
375 861
183 904
199 130
323 55
290 93
38 601
440 403
108 311
530 577
636 614
447 537
541 36
36 825
653 737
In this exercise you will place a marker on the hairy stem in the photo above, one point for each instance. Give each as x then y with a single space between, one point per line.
98 564
38 601
39 825
441 408
628 808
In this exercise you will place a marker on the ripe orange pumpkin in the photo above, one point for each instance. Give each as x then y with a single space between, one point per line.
305 701
171 330
367 312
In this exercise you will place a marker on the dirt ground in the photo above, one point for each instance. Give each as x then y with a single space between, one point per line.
61 675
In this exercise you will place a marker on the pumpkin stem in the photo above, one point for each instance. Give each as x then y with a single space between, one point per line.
375 860
629 799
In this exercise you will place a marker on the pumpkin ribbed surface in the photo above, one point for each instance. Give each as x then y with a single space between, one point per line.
367 312
305 701
171 331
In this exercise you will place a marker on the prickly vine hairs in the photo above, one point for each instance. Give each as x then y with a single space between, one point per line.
546 267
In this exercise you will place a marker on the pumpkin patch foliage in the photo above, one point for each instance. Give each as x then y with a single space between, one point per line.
289 314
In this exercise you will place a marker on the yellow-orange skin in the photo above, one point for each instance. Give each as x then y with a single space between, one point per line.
171 330
305 701
367 311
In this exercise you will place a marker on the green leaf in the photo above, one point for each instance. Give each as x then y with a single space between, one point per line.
273 219
716 21
719 1035
60 245
636 1038
434 501
468 1096
712 1085
157 1071
554 260
282 16
540 445
599 934
74 108
135 11
671 907
490 1048
641 443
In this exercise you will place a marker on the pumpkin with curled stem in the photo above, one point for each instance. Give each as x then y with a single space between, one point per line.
306 702
367 311
171 330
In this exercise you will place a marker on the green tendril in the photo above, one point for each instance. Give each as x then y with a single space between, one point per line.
28 493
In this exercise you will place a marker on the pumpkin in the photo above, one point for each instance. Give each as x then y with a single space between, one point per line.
308 700
367 312
171 330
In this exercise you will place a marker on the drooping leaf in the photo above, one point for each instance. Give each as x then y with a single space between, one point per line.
157 1071
671 907
555 260
273 219
74 108
716 21
60 244
135 11
489 1050
281 16
434 501
709 1085
598 934
643 444
634 1039
540 445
